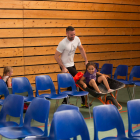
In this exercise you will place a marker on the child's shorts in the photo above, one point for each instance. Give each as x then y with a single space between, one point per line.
95 81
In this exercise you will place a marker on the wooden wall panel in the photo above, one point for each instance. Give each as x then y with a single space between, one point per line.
88 48
79 23
17 71
49 68
85 40
11 14
11 36
15 61
35 60
4 33
79 31
11 23
12 42
31 30
11 4
79 15
131 2
79 6
11 52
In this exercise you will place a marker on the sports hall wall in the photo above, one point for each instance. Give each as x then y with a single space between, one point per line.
31 30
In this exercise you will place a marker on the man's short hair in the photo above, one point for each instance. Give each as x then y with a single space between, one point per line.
70 28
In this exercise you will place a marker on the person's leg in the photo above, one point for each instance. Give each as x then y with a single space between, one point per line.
73 72
65 99
103 79
93 84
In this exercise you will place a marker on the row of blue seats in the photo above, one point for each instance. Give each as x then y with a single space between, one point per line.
70 123
122 70
67 121
43 82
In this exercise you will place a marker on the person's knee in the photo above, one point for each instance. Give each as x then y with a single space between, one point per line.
103 77
92 81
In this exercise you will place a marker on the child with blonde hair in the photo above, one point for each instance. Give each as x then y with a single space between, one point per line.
7 73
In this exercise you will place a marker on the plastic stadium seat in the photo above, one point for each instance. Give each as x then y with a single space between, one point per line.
44 82
107 117
12 106
67 107
38 110
135 72
21 85
65 125
121 70
107 69
133 107
66 80
72 125
3 91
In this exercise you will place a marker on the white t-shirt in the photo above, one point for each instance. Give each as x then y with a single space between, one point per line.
68 48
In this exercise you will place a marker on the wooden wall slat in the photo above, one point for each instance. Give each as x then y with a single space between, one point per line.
110 55
11 52
91 56
11 13
79 15
133 2
11 23
79 6
109 31
32 77
110 47
79 23
11 4
116 62
11 33
19 61
84 40
16 71
16 42
88 48
42 69
80 31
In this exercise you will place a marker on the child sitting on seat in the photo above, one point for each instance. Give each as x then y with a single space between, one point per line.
93 78
7 73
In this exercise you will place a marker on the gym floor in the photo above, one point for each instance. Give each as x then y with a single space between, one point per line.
122 98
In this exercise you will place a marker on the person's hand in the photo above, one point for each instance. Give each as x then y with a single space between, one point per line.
86 62
85 86
65 70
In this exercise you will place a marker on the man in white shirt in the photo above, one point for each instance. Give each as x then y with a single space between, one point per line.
64 54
